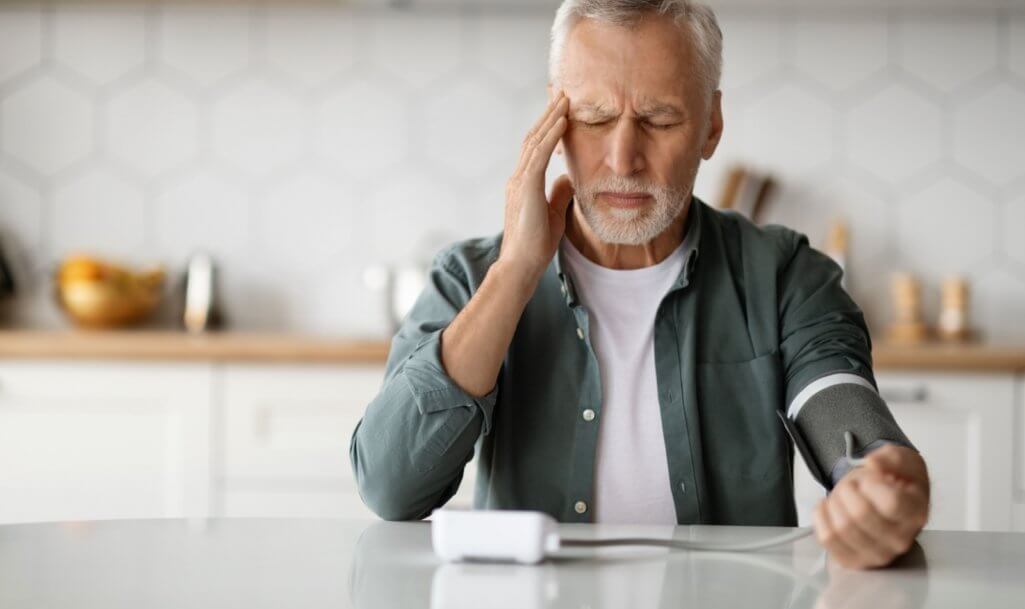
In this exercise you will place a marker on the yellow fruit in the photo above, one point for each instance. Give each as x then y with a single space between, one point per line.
97 293
83 268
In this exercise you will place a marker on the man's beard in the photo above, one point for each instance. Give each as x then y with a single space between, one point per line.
630 226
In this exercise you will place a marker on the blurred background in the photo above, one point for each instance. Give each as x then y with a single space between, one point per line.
283 172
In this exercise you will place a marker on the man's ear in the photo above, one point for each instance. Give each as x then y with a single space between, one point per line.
715 126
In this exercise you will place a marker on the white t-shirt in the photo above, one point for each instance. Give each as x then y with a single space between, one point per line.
631 478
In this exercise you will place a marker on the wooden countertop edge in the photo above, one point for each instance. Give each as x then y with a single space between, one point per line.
267 347
180 346
941 356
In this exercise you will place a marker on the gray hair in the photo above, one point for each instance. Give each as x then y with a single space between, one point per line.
698 17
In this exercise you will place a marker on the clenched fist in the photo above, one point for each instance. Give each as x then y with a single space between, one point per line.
534 224
874 513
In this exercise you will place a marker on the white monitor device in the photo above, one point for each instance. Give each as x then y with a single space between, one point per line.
493 535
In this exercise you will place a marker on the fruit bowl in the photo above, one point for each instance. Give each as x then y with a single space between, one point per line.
98 294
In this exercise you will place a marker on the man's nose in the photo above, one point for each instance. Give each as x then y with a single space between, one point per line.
623 155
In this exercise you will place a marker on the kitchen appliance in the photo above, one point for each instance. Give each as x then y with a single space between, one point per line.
7 285
399 285
200 312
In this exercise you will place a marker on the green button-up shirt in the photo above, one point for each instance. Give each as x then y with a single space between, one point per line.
755 315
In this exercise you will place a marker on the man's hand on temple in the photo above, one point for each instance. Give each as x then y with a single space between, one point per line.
534 223
874 513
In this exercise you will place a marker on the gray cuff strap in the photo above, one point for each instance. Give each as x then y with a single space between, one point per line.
842 466
825 417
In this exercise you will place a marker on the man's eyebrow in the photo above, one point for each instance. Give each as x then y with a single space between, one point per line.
659 109
593 108
646 111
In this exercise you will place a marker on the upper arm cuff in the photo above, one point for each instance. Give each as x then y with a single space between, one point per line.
825 382
837 364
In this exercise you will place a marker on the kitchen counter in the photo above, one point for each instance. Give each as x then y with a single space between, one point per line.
178 346
242 346
979 357
257 563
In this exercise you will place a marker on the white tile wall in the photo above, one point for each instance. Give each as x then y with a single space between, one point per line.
895 133
204 44
21 33
99 207
858 49
100 43
988 133
301 144
931 49
146 112
46 125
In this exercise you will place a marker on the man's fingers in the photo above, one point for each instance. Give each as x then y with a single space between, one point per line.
556 109
905 505
868 552
555 121
884 533
829 538
540 122
562 192
900 461
542 153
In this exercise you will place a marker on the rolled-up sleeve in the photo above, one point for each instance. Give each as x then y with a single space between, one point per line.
827 359
416 436
822 330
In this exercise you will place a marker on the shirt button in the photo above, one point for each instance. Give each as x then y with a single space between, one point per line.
580 334
683 487
588 415
580 507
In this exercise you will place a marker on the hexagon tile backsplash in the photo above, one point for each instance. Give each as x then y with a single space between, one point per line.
300 144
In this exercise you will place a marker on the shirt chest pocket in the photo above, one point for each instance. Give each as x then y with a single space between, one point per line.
746 454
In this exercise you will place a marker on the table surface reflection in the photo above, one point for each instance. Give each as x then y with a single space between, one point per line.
348 563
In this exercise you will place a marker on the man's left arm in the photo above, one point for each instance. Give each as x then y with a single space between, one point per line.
873 513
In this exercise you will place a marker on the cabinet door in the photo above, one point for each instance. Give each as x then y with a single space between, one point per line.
286 431
1019 453
962 424
89 440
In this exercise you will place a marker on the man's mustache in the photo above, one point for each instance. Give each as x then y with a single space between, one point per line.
620 185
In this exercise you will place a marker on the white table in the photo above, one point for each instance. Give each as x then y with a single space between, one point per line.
343 563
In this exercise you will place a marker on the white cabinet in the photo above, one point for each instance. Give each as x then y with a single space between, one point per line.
962 425
119 439
290 422
87 440
111 440
1019 456
286 431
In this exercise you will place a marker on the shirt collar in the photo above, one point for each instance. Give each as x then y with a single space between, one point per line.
690 245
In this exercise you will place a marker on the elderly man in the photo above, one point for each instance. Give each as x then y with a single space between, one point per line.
622 352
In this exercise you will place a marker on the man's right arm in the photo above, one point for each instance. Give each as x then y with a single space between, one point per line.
441 380
409 450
